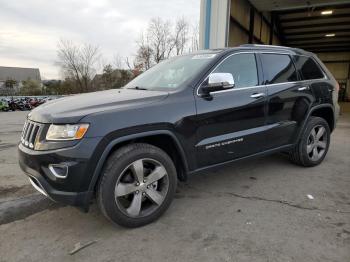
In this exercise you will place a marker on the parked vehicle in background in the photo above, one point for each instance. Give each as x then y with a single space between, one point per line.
34 102
16 104
4 106
24 103
128 147
20 104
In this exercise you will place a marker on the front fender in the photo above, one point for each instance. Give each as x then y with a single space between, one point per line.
114 142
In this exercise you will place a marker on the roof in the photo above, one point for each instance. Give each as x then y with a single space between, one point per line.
268 48
19 73
275 47
208 51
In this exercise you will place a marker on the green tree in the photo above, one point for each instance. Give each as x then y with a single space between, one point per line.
125 77
31 87
108 76
68 86
53 87
9 83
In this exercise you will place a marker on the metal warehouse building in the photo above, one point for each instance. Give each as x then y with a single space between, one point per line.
319 26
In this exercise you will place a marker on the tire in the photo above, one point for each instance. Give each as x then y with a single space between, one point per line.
303 154
120 194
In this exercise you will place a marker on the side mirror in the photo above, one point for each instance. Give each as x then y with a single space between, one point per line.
218 82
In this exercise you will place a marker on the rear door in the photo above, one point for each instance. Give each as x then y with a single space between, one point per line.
288 98
314 78
231 124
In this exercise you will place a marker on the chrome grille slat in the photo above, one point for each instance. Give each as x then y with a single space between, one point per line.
30 144
31 131
33 135
25 129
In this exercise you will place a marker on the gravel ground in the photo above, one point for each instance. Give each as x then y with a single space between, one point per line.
255 210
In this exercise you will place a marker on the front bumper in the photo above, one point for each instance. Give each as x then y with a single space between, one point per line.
69 198
72 189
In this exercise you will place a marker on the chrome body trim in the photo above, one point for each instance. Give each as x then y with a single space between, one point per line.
40 190
258 95
53 171
303 88
234 135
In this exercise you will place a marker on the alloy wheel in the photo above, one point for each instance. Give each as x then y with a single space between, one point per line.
141 188
316 143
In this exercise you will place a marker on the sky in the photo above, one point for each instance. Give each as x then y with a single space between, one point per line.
30 29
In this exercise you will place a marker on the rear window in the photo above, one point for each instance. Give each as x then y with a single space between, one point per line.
308 68
278 68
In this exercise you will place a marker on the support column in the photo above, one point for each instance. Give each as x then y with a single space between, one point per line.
251 25
214 23
272 25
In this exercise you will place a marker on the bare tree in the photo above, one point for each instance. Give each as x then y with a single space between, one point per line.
78 62
68 56
89 56
143 59
118 61
160 39
128 63
194 38
180 35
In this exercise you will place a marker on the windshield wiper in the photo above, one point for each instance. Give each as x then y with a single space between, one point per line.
137 87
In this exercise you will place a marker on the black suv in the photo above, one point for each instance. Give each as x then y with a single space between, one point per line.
128 147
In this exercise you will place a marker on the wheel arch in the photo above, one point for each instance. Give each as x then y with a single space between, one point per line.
163 139
324 111
327 113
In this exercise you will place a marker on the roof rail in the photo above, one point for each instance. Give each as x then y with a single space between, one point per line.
268 46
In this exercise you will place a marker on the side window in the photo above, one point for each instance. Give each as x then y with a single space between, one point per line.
278 68
243 69
308 68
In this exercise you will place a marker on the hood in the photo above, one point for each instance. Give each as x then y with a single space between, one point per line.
72 108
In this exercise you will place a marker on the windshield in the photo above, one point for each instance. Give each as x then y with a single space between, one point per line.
171 73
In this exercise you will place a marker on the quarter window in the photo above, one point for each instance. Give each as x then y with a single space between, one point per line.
278 68
308 68
243 69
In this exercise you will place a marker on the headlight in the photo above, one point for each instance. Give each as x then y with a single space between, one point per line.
66 132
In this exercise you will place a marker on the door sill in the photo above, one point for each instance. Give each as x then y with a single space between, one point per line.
259 154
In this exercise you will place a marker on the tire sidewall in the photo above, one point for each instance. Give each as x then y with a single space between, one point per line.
112 173
315 121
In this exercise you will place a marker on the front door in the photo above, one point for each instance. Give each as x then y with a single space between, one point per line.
231 123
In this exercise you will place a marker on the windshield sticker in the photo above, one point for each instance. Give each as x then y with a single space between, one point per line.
203 56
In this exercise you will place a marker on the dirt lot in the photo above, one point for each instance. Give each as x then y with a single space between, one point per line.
256 210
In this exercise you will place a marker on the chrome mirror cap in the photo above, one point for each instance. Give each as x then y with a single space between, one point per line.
224 79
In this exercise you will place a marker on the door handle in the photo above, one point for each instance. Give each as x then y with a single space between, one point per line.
303 88
257 95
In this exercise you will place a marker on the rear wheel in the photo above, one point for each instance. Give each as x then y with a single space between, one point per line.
137 186
313 144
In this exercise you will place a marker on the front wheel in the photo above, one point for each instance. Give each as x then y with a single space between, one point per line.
313 144
137 186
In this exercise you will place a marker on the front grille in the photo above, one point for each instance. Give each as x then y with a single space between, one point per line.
30 133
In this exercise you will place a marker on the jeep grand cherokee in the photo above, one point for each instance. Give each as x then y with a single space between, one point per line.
128 147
